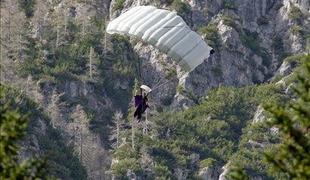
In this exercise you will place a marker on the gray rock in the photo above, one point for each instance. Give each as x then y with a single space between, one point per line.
259 115
208 173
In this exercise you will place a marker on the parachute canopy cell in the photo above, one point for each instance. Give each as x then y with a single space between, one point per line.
165 30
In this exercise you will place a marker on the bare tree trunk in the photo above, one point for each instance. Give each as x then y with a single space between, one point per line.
91 52
105 39
117 117
81 145
9 20
83 29
66 21
57 35
27 85
133 134
308 45
117 133
20 46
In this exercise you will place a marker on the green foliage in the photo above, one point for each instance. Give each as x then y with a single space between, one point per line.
295 13
229 4
216 131
211 35
28 7
298 59
229 21
120 169
162 172
207 162
181 7
238 173
217 71
13 127
251 40
170 72
211 130
295 62
296 29
118 5
51 143
180 89
68 59
257 139
127 160
249 157
293 121
278 47
119 66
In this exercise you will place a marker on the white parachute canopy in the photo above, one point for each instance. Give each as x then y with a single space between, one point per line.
165 30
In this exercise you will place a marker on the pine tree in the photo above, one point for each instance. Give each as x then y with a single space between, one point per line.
292 156
13 128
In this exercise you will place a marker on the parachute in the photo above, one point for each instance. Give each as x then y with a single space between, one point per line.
166 31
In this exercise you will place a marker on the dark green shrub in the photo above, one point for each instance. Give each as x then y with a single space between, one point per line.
295 13
119 4
296 29
262 21
211 34
229 21
166 101
28 7
207 162
217 71
251 40
181 7
229 4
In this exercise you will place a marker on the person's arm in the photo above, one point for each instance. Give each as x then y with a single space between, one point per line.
146 102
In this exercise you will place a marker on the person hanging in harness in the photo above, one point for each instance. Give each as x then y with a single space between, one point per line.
141 102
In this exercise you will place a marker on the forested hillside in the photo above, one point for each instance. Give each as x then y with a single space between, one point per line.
76 83
42 140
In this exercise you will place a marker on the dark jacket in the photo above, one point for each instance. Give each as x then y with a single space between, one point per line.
141 105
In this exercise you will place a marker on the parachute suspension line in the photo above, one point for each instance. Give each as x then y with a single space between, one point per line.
139 67
91 52
158 82
155 88
160 85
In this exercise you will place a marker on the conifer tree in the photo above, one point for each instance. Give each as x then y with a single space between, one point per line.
292 156
12 129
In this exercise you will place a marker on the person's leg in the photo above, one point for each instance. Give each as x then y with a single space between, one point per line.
139 116
138 113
